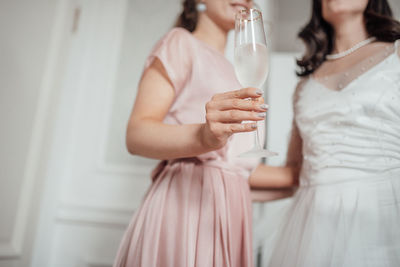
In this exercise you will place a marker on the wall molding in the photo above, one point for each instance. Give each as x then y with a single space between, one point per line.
36 147
51 91
98 262
125 169
103 165
8 251
112 216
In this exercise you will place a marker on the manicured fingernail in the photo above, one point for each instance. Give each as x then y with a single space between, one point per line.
259 92
254 126
264 106
261 115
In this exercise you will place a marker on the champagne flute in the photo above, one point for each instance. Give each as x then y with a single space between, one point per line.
251 62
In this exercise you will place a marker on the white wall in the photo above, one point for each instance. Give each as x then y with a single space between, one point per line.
25 30
144 26
93 185
395 5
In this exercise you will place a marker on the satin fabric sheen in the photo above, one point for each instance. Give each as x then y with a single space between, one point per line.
197 212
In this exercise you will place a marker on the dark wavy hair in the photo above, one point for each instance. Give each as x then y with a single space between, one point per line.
189 16
318 34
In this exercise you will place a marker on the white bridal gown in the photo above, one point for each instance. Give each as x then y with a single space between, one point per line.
346 211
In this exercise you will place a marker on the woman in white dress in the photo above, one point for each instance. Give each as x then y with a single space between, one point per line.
344 151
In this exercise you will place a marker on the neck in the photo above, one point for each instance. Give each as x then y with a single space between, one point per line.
348 33
210 33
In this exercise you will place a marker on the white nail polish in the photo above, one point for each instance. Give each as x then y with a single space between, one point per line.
261 115
264 106
259 92
254 126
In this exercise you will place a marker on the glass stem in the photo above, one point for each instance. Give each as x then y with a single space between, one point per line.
256 139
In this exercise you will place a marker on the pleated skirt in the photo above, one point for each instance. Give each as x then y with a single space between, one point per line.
195 214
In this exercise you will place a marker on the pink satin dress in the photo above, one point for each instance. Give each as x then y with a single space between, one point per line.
197 212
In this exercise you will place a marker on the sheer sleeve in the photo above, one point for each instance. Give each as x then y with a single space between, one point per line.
173 51
294 153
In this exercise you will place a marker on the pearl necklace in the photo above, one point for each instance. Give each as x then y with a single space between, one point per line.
351 49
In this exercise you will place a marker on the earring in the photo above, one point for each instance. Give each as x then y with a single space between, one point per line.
201 7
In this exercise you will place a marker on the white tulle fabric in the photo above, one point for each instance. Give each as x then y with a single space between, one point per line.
347 210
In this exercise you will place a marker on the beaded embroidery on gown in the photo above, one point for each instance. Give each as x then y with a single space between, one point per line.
346 211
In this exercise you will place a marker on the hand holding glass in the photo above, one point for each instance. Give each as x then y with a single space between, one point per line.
251 61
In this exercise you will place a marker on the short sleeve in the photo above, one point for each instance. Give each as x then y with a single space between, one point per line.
173 51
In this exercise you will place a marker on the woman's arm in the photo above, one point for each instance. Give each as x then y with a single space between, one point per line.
269 177
148 136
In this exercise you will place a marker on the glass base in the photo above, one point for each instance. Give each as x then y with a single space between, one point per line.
258 153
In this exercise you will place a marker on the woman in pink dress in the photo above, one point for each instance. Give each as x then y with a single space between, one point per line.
197 211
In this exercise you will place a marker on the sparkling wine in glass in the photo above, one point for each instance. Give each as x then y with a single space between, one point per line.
251 62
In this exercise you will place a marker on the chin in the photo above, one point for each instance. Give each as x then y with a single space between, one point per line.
229 20
337 13
336 8
229 25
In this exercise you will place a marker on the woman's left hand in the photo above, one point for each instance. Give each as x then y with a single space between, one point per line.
225 113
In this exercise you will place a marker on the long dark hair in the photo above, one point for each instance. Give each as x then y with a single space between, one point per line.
189 16
318 34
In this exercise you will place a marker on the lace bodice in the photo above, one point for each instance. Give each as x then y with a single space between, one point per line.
351 130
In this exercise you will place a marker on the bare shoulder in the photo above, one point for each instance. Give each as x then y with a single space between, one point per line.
377 46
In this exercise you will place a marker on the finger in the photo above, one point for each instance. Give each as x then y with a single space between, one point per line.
239 127
241 93
259 100
235 116
241 104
